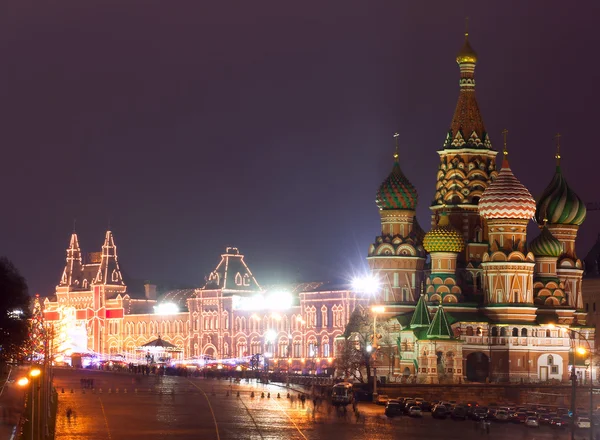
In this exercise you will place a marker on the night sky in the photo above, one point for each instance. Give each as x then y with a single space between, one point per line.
192 126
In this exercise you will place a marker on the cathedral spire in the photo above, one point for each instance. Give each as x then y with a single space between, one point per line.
467 129
557 155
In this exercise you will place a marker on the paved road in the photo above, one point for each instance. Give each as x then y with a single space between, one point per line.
194 408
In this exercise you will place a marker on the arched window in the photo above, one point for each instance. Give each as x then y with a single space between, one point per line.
503 331
548 334
550 359
325 347
323 316
494 331
524 332
515 331
469 331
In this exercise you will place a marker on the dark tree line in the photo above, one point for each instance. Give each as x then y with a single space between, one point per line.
15 311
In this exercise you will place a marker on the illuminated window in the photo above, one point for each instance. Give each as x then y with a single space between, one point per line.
323 316
238 279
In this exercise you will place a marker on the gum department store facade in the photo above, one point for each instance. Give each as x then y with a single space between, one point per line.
470 299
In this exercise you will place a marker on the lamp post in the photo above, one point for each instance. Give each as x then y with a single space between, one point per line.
376 310
581 351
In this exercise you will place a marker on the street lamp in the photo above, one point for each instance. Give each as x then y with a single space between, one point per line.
376 310
582 351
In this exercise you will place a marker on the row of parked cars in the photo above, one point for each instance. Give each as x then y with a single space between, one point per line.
532 415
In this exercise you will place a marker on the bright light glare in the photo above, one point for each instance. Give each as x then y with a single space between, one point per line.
276 316
368 284
268 354
270 335
271 301
166 309
378 309
581 350
35 372
369 348
551 325
22 381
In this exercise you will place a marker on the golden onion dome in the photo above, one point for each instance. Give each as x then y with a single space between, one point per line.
443 238
466 54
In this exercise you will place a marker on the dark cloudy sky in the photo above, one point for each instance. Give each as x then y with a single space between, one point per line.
267 125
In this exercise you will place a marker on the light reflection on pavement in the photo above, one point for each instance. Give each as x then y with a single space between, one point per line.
178 408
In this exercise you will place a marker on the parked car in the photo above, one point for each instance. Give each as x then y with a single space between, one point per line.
426 406
382 399
532 422
479 413
459 413
583 422
501 415
545 418
558 422
439 412
518 417
393 409
415 411
408 405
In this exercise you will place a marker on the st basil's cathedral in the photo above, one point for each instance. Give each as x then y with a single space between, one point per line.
489 305
470 300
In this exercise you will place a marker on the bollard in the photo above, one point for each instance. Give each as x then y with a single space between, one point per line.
71 390
63 390
117 390
278 396
125 390
288 395
100 390
262 395
252 394
136 391
109 390
238 394
268 395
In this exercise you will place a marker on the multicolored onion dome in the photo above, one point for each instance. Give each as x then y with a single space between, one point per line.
506 198
546 245
443 238
559 204
396 192
466 54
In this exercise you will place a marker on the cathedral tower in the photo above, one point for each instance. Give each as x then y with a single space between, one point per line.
466 164
397 257
507 206
563 211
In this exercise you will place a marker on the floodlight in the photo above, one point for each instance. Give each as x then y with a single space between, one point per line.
166 309
368 284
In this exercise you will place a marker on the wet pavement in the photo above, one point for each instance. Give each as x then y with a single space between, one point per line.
196 408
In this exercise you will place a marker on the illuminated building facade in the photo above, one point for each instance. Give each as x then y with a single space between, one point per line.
231 317
474 300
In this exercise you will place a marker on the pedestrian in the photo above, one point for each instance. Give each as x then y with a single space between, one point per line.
69 412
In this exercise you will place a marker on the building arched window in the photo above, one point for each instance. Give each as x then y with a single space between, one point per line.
469 331
548 334
515 331
503 331
494 331
524 332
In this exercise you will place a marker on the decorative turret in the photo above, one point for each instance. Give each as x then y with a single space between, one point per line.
443 238
396 191
73 272
444 244
507 206
562 208
546 245
440 328
400 240
109 272
565 212
420 317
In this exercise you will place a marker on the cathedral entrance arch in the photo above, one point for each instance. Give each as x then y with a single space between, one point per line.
210 351
478 367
